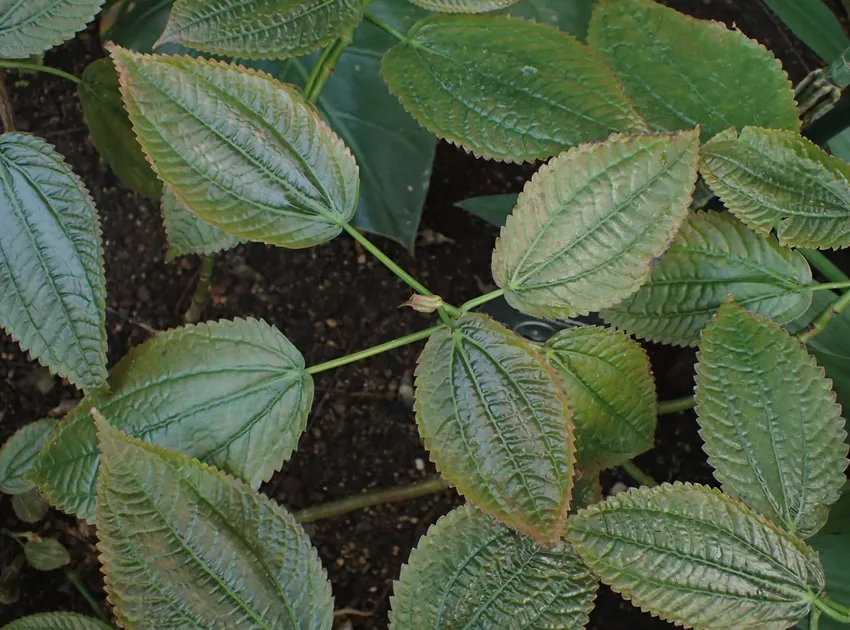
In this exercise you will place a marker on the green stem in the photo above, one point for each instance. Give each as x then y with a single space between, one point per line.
820 322
412 282
83 590
202 290
637 474
375 497
481 299
325 68
814 619
833 609
384 26
824 286
37 67
823 264
676 405
370 352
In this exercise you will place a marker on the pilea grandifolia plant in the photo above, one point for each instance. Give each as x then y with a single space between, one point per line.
167 449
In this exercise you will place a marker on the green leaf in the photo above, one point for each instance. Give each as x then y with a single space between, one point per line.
137 24
464 6
29 506
589 224
188 234
471 572
695 557
768 417
57 621
777 180
712 76
714 256
52 287
815 24
260 29
493 208
234 394
183 544
572 16
587 490
31 27
240 149
111 131
46 554
18 452
496 424
833 545
484 82
609 383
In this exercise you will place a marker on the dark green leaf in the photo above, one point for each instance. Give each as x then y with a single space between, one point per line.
137 24
815 24
29 506
46 554
57 621
18 453
52 287
188 234
494 208
571 16
30 27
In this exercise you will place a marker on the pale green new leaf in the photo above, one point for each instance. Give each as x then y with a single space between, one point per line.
234 394
693 556
18 453
188 234
768 417
111 131
777 180
259 29
496 423
464 6
46 554
52 287
681 72
470 572
184 545
30 27
57 621
29 506
485 82
589 224
714 256
609 383
240 149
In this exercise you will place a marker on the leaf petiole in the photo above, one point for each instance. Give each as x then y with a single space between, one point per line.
384 26
835 610
481 299
37 67
631 469
676 405
819 261
325 68
825 286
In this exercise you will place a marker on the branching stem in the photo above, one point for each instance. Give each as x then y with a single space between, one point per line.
833 609
202 290
823 264
324 68
37 67
481 299
820 322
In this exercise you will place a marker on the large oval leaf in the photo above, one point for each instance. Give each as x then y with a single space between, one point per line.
111 131
485 82
183 544
30 27
240 149
470 572
57 621
497 425
259 29
188 234
52 287
464 6
18 453
714 256
777 180
609 383
589 224
696 557
713 76
769 420
234 394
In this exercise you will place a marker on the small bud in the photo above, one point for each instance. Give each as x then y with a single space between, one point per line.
424 303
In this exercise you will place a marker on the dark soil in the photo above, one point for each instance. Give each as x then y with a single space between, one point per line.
329 300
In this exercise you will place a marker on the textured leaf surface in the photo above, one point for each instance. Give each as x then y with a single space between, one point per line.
29 507
589 224
229 557
111 131
714 256
496 424
46 554
611 390
30 27
464 6
493 208
471 572
18 452
777 180
768 417
57 621
486 82
188 234
815 24
234 394
712 76
240 149
692 555
52 287
260 29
